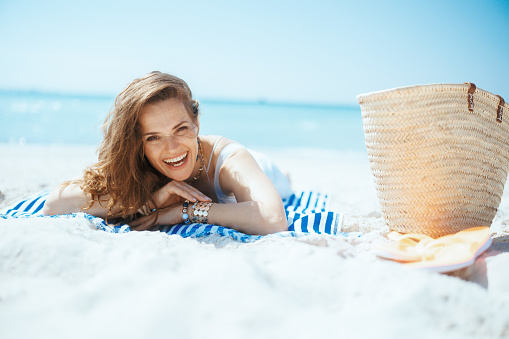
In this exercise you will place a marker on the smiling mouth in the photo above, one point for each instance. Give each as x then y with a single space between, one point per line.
177 161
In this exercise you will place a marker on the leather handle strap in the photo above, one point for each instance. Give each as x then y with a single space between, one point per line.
470 97
500 108
470 100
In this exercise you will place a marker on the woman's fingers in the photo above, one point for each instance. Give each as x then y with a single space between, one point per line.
168 216
142 223
165 196
192 193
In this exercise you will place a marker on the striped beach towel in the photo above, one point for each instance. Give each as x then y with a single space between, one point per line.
306 212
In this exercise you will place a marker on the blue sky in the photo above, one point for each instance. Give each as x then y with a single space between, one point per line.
301 51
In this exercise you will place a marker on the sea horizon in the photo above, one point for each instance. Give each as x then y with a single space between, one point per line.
49 117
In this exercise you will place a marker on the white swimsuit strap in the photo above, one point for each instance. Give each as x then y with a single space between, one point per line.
212 153
225 153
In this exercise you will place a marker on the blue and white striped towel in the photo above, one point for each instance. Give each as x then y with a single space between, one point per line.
306 212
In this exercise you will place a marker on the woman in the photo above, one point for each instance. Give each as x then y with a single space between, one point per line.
155 169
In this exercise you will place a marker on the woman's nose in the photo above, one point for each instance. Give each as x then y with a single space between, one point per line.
170 142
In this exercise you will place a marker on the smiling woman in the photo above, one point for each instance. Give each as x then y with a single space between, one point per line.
155 169
169 115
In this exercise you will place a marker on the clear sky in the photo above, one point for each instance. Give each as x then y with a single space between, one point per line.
314 51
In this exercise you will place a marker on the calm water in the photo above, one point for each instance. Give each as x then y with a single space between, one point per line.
27 117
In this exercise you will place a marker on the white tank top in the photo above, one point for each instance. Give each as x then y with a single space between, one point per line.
279 180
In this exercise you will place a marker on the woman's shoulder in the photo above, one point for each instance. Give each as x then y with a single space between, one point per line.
218 149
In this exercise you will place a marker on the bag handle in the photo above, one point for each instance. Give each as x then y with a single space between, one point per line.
470 98
500 109
470 101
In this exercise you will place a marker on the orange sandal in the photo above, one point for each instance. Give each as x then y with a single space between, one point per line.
444 254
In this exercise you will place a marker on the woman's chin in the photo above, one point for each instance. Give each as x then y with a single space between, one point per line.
179 173
179 176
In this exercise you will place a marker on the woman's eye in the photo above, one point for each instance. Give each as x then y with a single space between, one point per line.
153 138
182 130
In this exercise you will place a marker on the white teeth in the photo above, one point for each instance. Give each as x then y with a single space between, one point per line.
176 161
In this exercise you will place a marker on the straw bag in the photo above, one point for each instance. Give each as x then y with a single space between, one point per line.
439 155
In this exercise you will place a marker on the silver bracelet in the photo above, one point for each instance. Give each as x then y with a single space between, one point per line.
201 212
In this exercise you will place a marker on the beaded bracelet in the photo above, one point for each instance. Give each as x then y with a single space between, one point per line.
184 212
201 212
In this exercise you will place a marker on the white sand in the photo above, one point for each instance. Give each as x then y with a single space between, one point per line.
60 279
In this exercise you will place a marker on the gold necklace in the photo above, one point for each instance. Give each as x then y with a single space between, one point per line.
202 163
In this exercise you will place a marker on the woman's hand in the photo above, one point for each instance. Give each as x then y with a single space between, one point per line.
170 215
168 200
176 192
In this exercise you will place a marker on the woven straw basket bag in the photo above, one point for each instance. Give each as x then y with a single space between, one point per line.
439 155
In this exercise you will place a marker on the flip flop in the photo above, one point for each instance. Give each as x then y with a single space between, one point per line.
444 254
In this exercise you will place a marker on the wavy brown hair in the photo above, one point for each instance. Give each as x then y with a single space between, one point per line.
122 180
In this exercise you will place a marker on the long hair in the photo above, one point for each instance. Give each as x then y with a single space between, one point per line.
122 180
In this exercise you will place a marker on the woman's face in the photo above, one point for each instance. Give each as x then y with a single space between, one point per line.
170 138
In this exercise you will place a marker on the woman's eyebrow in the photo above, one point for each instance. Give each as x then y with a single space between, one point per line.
180 124
174 128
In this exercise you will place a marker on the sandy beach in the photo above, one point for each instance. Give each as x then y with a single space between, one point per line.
61 279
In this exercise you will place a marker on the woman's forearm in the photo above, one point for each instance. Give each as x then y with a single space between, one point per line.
249 217
72 199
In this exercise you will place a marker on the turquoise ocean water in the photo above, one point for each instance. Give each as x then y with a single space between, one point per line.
43 118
